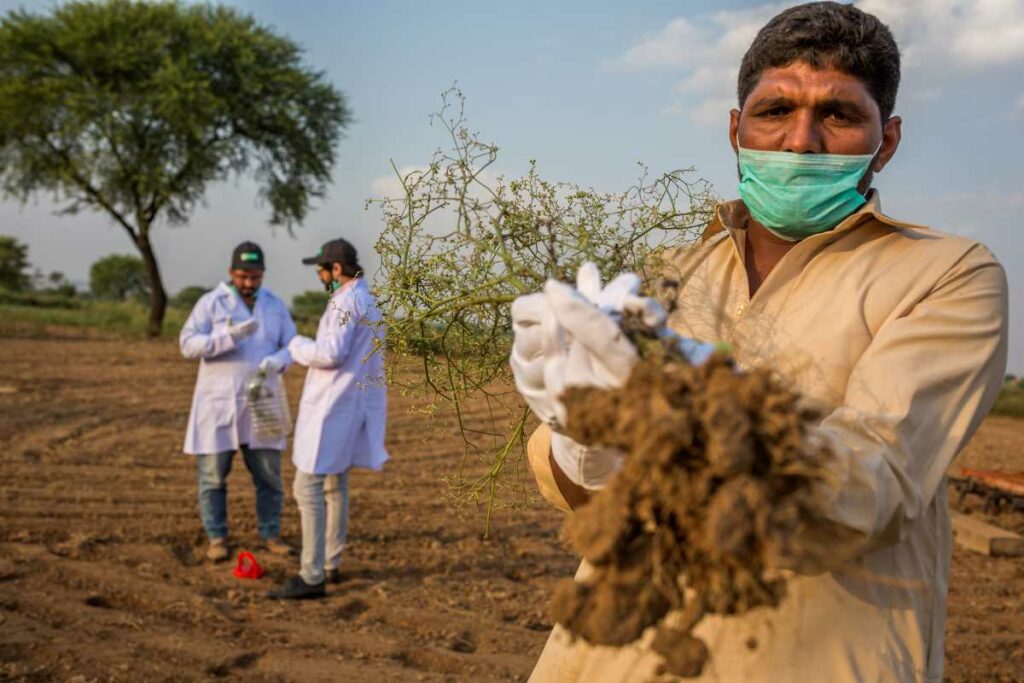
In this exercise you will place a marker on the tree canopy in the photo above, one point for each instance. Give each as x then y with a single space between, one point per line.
13 263
134 108
119 277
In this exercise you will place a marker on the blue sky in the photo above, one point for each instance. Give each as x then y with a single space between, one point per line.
589 89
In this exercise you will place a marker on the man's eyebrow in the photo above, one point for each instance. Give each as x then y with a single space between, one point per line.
840 103
771 102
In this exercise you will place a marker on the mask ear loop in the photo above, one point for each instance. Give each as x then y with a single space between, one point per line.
874 155
871 164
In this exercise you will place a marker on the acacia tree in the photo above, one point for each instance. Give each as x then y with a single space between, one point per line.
134 108
460 243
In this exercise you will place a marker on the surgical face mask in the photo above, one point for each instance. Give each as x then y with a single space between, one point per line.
798 195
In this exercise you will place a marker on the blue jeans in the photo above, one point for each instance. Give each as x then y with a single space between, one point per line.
264 464
323 508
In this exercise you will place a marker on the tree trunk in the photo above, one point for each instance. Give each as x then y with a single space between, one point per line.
157 294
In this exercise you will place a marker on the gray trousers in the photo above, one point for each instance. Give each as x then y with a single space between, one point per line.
322 500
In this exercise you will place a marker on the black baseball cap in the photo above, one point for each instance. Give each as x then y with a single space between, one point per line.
247 256
336 251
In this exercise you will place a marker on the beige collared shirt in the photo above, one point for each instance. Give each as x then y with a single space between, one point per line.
899 334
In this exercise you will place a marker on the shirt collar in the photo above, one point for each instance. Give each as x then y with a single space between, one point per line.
733 215
224 289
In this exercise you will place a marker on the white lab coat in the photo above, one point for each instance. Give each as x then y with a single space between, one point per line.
220 420
343 411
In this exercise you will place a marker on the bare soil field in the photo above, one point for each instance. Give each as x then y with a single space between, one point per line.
101 576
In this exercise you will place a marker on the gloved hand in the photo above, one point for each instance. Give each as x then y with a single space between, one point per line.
569 336
243 329
298 341
271 365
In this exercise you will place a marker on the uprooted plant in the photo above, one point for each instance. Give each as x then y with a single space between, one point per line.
460 242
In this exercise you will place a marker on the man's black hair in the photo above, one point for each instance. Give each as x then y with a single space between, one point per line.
827 35
351 269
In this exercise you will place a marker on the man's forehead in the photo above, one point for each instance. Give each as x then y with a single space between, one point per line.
802 82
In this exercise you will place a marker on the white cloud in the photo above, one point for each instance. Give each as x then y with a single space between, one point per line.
666 48
713 112
710 42
390 186
959 34
937 38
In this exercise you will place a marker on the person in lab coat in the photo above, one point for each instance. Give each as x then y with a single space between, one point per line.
235 330
342 415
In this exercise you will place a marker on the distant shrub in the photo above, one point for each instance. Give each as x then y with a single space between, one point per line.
187 297
1011 400
119 277
309 305
60 298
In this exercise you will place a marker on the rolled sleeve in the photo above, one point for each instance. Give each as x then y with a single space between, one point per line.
538 454
914 399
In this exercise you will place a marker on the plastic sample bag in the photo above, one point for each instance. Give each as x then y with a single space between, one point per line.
268 406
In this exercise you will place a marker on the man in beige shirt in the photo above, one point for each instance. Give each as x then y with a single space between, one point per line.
896 332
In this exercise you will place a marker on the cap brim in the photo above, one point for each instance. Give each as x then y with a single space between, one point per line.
314 260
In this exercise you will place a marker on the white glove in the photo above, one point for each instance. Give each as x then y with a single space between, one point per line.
569 336
589 467
298 341
243 329
271 365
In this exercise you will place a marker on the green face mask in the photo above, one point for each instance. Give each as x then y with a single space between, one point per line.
798 195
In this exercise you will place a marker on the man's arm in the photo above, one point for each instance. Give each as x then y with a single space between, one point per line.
554 485
328 351
913 400
288 332
197 340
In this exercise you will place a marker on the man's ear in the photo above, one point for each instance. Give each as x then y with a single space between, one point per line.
734 130
891 136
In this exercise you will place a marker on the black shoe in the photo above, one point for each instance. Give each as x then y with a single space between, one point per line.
297 589
333 576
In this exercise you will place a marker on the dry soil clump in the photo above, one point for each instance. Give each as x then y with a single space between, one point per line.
714 494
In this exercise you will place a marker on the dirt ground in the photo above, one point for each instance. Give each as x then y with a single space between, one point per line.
100 546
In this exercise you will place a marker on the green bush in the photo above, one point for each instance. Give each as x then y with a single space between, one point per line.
119 277
309 305
1010 401
13 264
188 296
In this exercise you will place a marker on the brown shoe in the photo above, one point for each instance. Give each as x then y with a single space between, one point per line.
277 546
217 551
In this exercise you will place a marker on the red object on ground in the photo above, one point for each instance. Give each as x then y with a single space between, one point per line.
247 567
